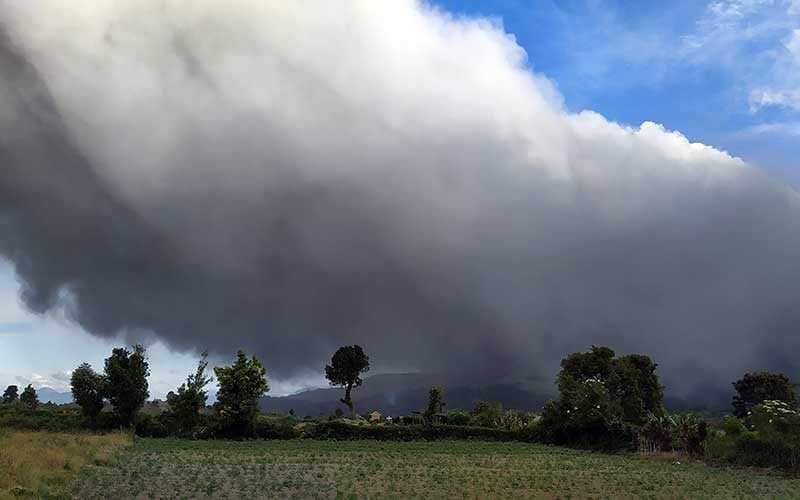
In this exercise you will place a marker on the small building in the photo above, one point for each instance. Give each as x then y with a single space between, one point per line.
374 417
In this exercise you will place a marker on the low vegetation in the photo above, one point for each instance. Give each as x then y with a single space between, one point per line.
159 468
44 464
605 402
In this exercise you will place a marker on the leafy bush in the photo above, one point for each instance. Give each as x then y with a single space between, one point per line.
758 387
43 418
344 432
458 417
516 420
689 433
773 439
677 432
486 413
563 425
656 434
276 427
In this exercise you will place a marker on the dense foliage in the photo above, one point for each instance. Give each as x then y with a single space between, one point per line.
347 365
769 436
605 402
603 399
10 394
434 406
191 397
344 431
240 387
29 397
754 388
126 373
88 388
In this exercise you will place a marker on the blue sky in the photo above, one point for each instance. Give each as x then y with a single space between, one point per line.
725 73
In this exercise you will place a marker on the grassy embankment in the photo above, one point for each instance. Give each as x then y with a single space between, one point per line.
45 464
164 468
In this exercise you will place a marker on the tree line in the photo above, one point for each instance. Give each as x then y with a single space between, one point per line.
604 401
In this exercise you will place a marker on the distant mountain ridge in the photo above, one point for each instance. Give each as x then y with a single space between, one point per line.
47 394
403 393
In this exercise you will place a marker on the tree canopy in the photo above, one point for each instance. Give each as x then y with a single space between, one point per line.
347 365
435 404
756 387
241 385
191 396
126 373
88 389
11 393
601 396
29 397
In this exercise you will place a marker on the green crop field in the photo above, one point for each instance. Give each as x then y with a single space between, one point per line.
161 468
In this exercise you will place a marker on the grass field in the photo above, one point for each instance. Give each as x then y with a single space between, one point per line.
44 464
153 468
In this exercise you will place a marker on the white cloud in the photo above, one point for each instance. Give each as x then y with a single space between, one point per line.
789 129
758 41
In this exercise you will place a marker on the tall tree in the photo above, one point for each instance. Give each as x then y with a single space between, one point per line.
29 397
756 387
191 396
11 394
126 373
347 365
88 390
241 385
435 404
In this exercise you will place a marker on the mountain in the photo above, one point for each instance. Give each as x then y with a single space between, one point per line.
47 394
402 393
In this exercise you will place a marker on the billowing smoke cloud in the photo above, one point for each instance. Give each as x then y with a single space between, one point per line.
288 177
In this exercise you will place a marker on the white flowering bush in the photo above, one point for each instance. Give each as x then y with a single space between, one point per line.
773 419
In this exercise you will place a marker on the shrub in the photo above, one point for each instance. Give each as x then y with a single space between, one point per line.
656 434
516 420
282 427
343 431
43 418
562 425
754 388
486 413
689 433
458 417
773 439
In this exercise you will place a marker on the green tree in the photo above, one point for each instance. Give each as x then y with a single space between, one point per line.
241 385
435 404
602 398
29 397
88 390
486 413
191 397
347 365
126 373
11 394
756 387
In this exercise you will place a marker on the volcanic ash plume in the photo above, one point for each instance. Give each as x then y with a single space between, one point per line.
288 177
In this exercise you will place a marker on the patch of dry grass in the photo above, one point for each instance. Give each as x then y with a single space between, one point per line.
44 464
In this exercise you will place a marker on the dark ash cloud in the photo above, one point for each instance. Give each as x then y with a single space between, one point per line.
220 178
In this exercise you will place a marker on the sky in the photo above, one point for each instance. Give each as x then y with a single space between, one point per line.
598 222
724 73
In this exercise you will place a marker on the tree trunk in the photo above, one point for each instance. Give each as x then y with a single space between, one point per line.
347 400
